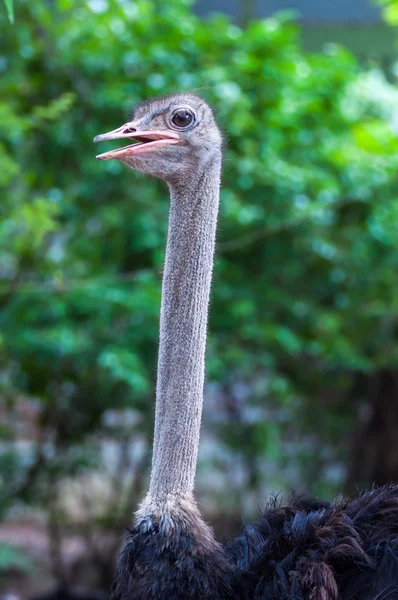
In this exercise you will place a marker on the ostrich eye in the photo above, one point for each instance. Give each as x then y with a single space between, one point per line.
182 118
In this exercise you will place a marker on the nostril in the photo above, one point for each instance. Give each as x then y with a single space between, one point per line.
130 130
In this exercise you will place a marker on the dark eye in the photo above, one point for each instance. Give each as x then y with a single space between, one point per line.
183 117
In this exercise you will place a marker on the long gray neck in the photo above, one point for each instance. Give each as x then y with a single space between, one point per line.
183 324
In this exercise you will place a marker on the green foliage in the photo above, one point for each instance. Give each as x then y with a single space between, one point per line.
13 558
390 11
9 4
305 293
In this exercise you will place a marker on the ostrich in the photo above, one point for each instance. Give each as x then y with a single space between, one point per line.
305 549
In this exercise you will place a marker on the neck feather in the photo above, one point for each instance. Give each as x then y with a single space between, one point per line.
183 325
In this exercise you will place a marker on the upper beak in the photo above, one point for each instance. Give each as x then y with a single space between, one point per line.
147 140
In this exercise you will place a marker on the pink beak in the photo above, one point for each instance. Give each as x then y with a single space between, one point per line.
147 140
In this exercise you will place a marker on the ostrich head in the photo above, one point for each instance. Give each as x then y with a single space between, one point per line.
173 136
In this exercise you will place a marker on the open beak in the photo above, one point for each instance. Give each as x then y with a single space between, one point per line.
146 141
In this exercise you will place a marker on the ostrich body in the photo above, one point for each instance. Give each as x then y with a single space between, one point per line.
303 550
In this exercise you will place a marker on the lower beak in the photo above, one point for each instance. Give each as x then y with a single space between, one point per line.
147 141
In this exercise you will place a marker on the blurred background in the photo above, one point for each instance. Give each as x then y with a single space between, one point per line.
302 362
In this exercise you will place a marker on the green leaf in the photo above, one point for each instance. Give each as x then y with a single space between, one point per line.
9 4
12 557
390 13
375 136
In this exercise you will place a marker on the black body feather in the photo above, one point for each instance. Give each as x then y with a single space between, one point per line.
303 550
180 560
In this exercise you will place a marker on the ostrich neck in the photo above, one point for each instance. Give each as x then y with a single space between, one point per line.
183 325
